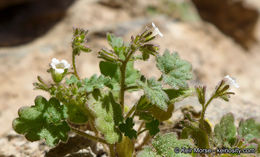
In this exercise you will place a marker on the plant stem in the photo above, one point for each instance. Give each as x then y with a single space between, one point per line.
94 138
130 112
145 140
112 150
93 128
141 132
130 87
204 107
122 85
74 66
122 82
141 126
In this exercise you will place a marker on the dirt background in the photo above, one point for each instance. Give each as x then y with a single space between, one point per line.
213 53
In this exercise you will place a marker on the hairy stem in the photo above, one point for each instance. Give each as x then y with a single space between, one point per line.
122 82
74 66
94 138
204 107
122 85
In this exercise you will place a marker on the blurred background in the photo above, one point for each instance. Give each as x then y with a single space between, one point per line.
219 37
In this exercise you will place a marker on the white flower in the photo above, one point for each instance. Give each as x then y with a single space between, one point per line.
59 66
156 30
231 81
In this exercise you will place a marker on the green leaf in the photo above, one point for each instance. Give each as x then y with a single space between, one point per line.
88 85
114 42
154 93
199 135
164 145
113 71
44 120
147 152
131 74
95 83
108 115
127 128
76 114
72 80
153 127
249 129
145 116
118 45
175 71
108 69
225 131
143 104
162 115
178 94
74 98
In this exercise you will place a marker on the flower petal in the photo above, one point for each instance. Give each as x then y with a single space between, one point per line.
55 61
156 30
60 71
65 64
153 25
231 81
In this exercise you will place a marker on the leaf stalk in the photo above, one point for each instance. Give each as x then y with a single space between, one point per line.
94 138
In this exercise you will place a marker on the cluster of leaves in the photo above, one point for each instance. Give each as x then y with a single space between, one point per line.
44 120
223 135
98 101
246 135
165 145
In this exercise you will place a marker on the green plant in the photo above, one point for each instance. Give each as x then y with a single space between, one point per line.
98 102
197 137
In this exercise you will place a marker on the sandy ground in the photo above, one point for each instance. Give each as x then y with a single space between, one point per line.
212 54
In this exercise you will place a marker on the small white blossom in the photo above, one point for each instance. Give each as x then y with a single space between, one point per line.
231 81
156 30
59 66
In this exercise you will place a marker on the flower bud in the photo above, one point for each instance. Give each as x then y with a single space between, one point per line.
107 55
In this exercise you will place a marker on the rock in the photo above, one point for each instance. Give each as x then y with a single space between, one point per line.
76 146
13 145
23 23
7 3
233 18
